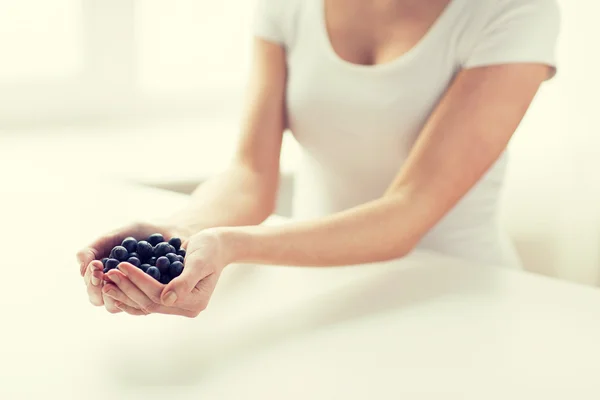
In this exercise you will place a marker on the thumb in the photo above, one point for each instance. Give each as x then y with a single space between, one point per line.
85 257
185 283
99 247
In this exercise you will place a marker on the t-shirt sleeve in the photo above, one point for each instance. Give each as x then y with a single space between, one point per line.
517 31
267 22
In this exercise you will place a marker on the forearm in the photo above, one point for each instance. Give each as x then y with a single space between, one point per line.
463 137
236 197
381 230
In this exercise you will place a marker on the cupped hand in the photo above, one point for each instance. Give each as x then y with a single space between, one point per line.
186 295
91 268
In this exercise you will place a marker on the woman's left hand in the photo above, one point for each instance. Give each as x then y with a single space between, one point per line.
186 295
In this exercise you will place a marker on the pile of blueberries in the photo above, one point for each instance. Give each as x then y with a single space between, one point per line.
160 259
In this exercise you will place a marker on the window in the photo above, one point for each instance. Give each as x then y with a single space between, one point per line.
74 59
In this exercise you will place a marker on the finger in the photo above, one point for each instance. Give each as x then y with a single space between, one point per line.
141 300
130 310
206 286
195 302
110 306
101 246
142 289
94 252
93 280
113 292
87 275
96 275
132 291
164 310
144 282
184 244
185 283
85 257
204 290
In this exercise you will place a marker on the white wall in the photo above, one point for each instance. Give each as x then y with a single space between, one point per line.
552 203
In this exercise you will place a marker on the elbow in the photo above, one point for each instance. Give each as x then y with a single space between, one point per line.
268 197
403 250
264 207
396 251
407 245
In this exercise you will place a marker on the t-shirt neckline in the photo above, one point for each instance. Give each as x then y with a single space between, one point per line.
401 59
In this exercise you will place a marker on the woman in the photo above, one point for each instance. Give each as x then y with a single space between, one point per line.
403 108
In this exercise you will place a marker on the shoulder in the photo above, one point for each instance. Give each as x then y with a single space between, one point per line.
496 13
506 31
276 20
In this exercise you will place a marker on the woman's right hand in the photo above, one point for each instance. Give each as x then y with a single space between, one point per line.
91 267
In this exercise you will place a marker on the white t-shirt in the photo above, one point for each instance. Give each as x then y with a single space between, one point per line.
356 124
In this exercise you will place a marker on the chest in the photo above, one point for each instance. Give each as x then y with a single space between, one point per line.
377 32
335 100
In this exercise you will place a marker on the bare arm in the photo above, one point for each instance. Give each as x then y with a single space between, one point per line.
242 195
246 192
466 133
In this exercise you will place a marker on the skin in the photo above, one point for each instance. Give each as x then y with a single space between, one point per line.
244 194
465 134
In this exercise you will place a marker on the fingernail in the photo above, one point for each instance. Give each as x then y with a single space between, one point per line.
170 298
95 280
118 305
115 278
120 268
111 293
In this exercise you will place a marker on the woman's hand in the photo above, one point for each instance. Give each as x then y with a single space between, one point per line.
186 295
91 268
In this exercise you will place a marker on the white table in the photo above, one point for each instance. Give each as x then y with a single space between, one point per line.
425 327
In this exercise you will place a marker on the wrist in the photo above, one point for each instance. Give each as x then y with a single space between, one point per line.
182 231
184 223
236 242
173 227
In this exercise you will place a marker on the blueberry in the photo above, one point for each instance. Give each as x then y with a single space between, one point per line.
175 242
180 259
105 270
172 257
130 244
134 261
152 261
162 249
144 249
154 272
134 254
120 253
181 252
155 239
171 249
104 260
165 278
144 267
175 269
111 263
162 263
